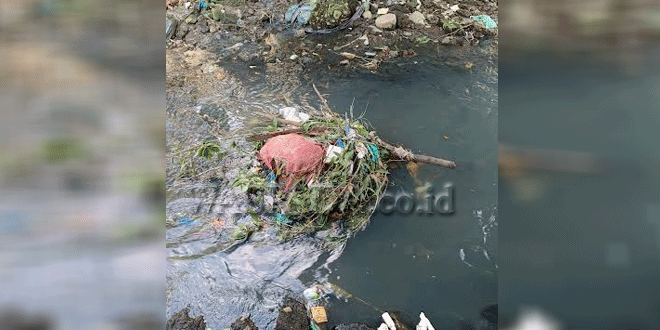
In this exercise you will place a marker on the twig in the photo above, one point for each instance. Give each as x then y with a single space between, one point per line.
459 29
348 44
325 103
398 152
404 154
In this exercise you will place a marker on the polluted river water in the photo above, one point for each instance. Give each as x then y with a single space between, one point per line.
444 264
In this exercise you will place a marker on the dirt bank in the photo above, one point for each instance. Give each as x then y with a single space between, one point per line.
256 32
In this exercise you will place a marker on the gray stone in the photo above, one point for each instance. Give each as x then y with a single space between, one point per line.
432 19
192 19
182 30
224 17
418 18
170 27
387 21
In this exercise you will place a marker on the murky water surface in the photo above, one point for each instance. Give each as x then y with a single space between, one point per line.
444 265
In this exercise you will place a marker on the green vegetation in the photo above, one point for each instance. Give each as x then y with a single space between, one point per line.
345 191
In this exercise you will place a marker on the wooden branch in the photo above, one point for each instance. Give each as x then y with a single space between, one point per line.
327 111
401 153
398 152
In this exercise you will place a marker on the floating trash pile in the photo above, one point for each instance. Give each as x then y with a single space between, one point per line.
325 172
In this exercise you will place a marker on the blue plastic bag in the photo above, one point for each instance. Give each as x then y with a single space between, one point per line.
373 149
282 218
489 23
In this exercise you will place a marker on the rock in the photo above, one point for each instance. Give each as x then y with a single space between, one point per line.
287 309
182 30
300 33
394 53
353 326
296 319
209 68
243 323
447 40
223 17
293 57
246 55
375 29
299 12
403 9
182 321
203 28
432 19
386 22
367 15
328 14
193 36
417 18
402 20
412 4
382 11
170 27
192 19
463 12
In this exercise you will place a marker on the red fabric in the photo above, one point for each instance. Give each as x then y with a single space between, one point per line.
300 157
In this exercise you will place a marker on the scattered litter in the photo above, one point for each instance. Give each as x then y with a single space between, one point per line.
185 221
332 169
201 5
349 131
388 321
373 150
293 114
424 323
331 153
282 218
488 22
319 315
312 293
